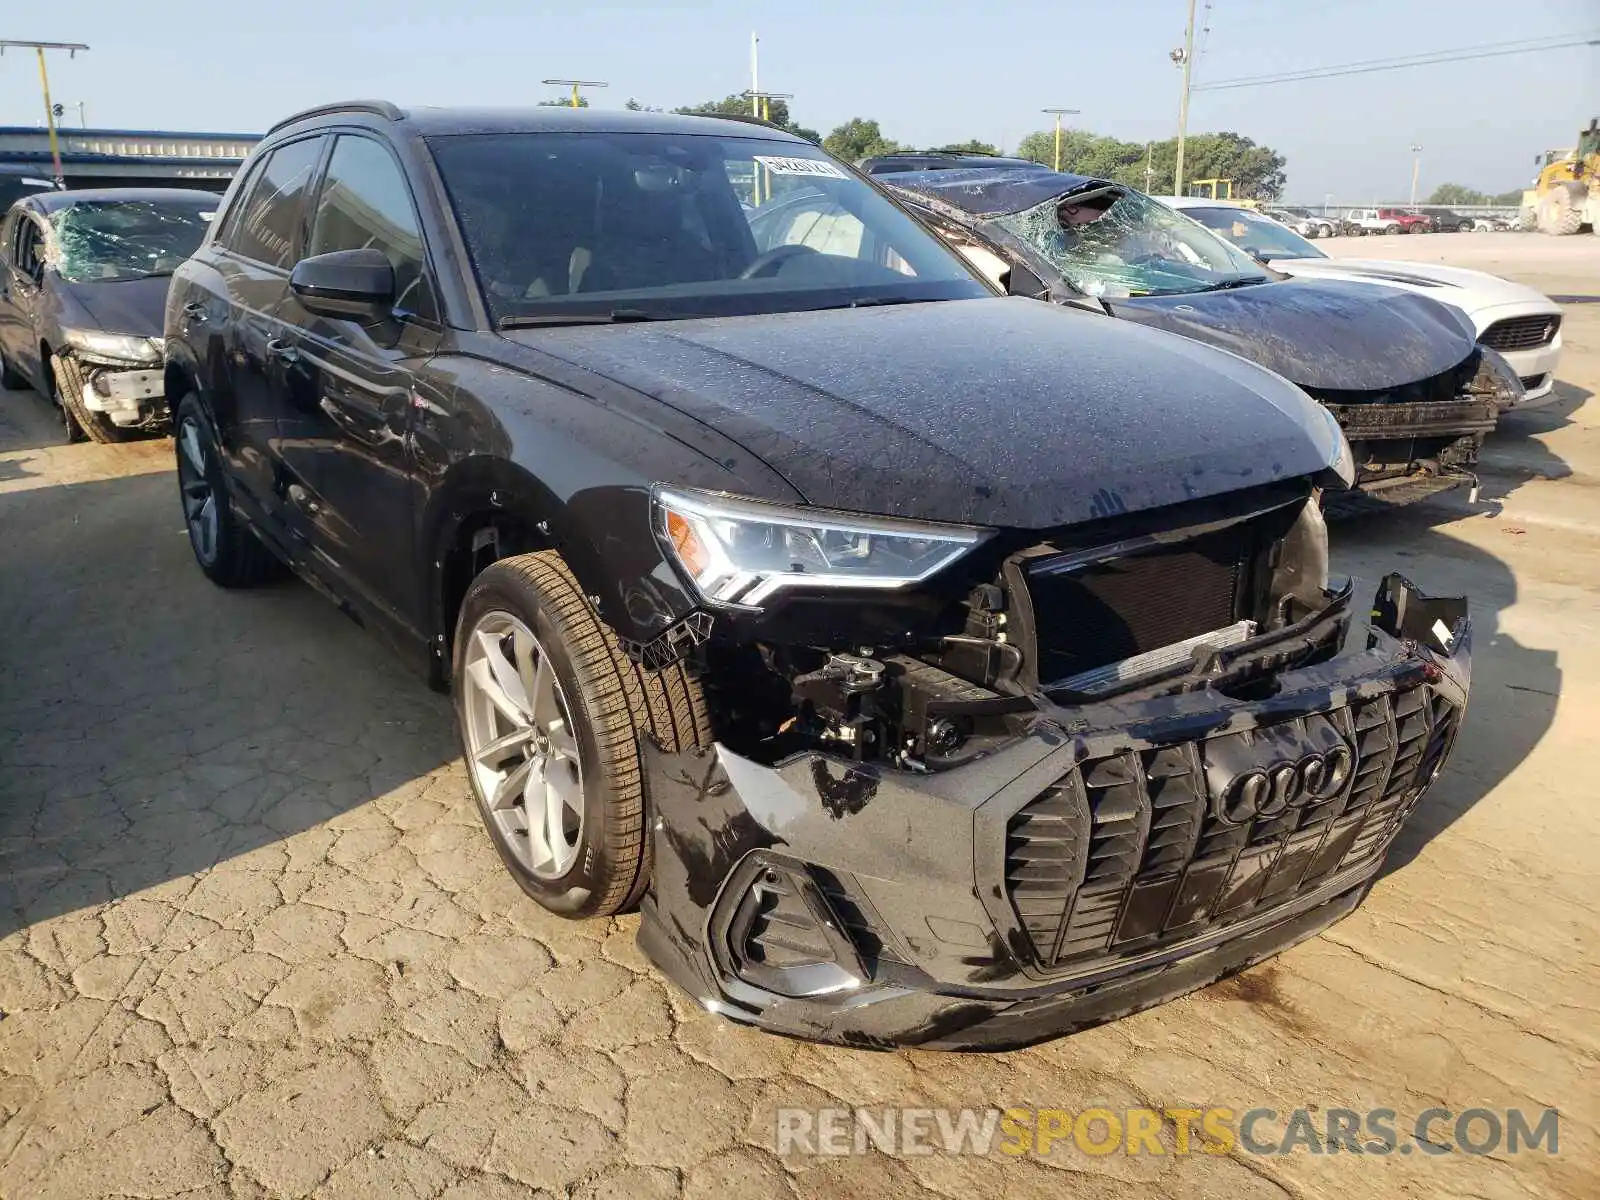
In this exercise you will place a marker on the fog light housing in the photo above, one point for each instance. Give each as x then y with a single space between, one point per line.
773 929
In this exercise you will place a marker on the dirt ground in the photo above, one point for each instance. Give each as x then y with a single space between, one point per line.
253 941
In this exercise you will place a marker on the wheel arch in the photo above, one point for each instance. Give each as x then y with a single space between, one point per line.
487 509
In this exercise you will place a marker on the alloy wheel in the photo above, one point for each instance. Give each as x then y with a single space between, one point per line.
521 746
199 498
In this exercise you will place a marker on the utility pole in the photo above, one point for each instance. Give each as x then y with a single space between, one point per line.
1149 171
1185 59
1060 112
1416 170
575 84
39 48
755 74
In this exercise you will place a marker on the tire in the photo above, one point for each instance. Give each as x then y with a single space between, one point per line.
594 857
11 379
96 426
1393 229
1464 227
231 555
1326 231
1558 215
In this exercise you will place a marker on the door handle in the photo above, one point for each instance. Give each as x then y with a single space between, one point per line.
195 311
283 350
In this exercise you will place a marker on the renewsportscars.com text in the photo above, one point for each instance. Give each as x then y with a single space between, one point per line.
1165 1131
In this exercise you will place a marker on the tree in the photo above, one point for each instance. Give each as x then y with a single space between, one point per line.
564 102
634 106
1456 194
858 138
738 105
1256 171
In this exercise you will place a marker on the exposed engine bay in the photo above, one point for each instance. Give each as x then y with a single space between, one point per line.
1217 596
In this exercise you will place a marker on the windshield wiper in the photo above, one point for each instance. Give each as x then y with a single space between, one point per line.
873 302
1241 281
607 316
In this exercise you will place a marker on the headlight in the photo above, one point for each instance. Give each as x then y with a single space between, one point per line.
1498 376
118 347
742 551
1340 473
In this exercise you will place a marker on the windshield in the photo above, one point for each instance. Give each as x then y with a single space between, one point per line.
111 240
1254 233
1115 243
656 226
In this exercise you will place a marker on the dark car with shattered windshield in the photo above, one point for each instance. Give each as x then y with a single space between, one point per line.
930 666
83 288
1402 373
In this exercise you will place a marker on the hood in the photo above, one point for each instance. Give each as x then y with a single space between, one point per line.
131 306
1467 290
1320 333
1001 411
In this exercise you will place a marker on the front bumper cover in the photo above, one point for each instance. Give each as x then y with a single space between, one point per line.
876 907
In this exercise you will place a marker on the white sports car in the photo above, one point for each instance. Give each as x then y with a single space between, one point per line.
1522 324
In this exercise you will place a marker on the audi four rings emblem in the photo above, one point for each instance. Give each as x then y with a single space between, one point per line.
1272 791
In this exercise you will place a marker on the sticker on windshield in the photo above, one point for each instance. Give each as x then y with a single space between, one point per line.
800 166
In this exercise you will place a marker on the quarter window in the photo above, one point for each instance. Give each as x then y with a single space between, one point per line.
269 217
366 204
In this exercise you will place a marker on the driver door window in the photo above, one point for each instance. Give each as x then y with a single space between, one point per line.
365 203
28 255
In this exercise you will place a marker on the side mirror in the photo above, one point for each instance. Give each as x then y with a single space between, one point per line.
348 285
1019 281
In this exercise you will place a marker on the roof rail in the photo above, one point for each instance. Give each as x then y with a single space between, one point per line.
743 118
380 108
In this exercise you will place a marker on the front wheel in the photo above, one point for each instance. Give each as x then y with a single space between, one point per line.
96 426
551 716
1393 229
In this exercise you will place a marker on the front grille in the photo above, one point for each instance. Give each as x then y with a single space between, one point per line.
1087 615
1132 851
1521 333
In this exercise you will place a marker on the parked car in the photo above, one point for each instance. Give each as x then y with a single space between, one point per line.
17 181
1446 221
911 654
1386 220
1494 224
1400 372
83 285
1521 324
1304 222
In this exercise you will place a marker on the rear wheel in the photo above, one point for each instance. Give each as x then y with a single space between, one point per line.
96 426
1393 229
551 716
1325 230
227 550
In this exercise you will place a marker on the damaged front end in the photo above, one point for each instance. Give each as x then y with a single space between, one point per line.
1423 437
1067 778
118 375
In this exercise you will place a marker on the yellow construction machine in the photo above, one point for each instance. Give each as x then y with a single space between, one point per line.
1566 195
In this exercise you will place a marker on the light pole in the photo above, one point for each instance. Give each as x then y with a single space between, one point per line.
1060 112
1327 203
575 84
72 49
1185 59
1416 170
60 110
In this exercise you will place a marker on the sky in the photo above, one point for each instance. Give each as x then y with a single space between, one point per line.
931 72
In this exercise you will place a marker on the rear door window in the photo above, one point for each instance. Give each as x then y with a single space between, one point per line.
365 203
270 214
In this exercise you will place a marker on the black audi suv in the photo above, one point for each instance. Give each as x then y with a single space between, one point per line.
929 665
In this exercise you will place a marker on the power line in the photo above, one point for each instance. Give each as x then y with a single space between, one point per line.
1465 54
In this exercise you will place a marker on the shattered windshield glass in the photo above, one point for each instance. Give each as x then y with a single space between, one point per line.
1114 243
1254 233
108 241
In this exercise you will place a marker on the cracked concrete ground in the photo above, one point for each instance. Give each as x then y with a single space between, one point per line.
254 943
